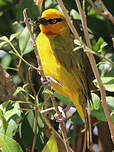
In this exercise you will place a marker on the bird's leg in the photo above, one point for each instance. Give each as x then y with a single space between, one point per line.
63 117
65 113
45 82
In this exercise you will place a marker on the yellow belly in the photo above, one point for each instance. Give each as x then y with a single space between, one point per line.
54 69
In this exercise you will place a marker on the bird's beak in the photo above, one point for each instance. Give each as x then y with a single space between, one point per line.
41 21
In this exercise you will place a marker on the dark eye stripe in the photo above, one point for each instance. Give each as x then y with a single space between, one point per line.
54 21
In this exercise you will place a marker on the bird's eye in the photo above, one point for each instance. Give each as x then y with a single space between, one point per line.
54 21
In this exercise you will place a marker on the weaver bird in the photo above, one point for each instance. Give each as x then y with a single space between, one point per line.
60 63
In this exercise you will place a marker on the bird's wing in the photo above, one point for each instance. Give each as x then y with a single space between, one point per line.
72 61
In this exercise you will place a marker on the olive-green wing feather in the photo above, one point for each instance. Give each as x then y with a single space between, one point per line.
72 61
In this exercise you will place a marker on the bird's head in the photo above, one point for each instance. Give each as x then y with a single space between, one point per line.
52 22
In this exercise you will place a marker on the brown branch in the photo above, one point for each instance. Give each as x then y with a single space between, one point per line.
62 125
105 14
76 35
95 70
34 43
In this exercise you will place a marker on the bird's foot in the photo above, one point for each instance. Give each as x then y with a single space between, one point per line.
60 117
45 82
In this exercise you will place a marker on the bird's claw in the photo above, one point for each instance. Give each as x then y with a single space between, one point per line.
60 117
45 82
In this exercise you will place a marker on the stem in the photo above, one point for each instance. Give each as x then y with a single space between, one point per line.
99 55
68 20
95 70
17 54
105 14
62 125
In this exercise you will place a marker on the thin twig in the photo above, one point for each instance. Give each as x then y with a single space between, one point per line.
63 128
36 109
90 127
76 35
105 14
47 110
85 133
19 56
95 70
100 55
62 125
34 43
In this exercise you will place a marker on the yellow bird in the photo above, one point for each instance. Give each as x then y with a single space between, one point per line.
61 65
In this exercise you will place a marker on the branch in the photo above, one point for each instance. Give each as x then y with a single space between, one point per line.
62 125
34 43
105 14
95 70
76 35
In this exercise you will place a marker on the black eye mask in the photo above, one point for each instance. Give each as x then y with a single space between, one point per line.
54 21
46 22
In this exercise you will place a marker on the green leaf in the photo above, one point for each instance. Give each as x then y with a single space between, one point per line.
108 83
29 47
51 145
13 116
98 44
23 39
6 61
64 99
95 105
40 120
77 48
14 36
4 122
2 43
110 102
7 144
77 42
12 127
75 14
10 113
4 38
27 127
25 43
97 109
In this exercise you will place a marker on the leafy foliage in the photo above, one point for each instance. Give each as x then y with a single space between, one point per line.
17 55
8 144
